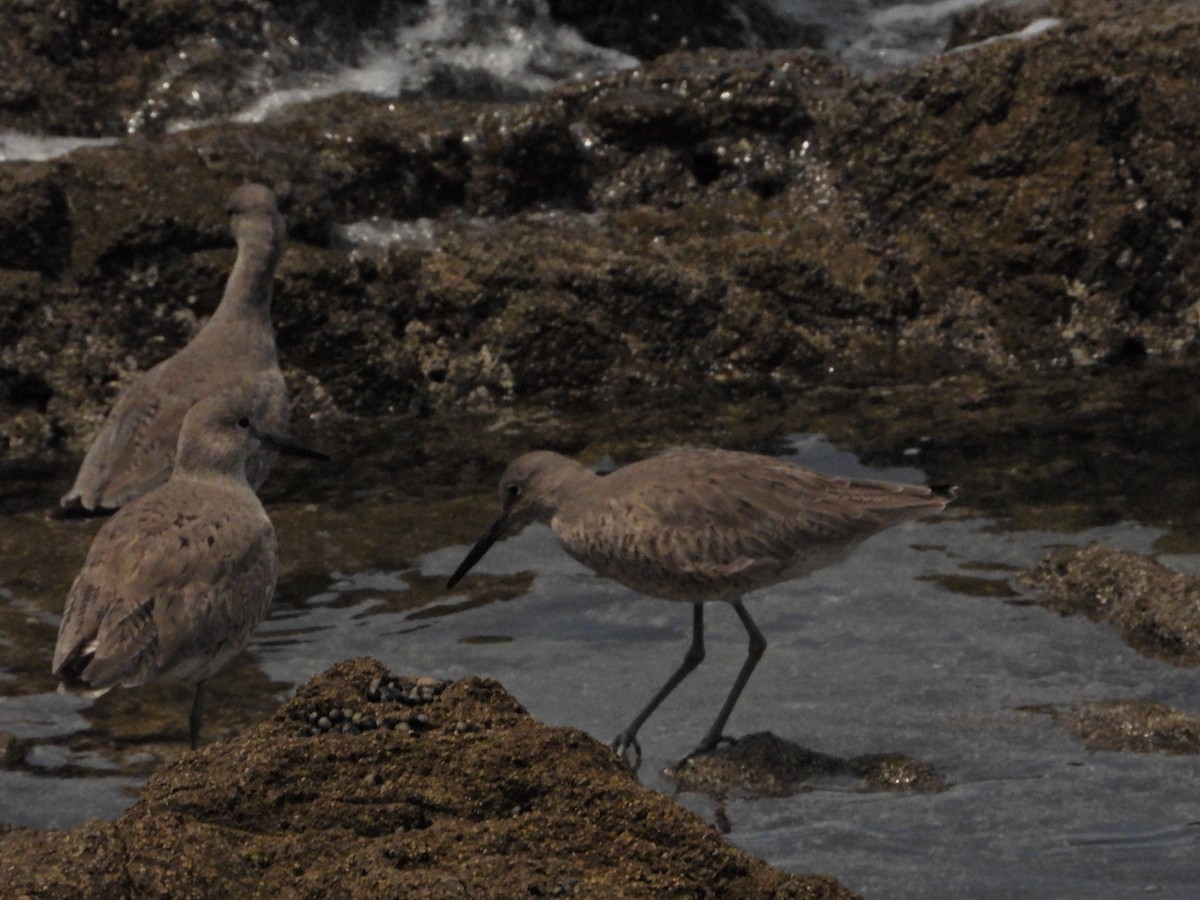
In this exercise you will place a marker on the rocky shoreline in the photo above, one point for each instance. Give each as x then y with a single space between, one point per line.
474 798
709 244
728 223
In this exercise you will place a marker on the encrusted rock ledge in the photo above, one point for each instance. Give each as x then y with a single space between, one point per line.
446 790
1156 609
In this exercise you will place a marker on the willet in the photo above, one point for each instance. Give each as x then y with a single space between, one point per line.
699 526
178 579
136 445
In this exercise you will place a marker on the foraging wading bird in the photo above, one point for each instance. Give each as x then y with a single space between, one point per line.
699 526
175 583
136 445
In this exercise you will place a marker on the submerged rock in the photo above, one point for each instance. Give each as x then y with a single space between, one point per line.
1156 609
763 765
1128 726
481 800
1135 726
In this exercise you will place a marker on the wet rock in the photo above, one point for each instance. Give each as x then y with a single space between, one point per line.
80 68
34 220
1157 610
1135 726
12 751
763 765
510 808
135 67
732 224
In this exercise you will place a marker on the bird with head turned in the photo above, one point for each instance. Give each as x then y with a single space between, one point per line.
135 447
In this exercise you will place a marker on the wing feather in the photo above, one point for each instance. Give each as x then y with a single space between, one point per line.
711 524
135 448
164 592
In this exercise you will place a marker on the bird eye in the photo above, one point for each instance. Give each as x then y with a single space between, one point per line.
512 491
243 422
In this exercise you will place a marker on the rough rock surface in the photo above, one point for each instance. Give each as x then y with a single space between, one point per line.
100 68
475 799
732 223
1156 609
1136 726
89 68
764 765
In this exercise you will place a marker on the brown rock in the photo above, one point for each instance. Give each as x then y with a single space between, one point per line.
713 224
763 765
479 800
1156 609
1135 726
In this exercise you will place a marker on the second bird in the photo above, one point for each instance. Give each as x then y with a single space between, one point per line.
698 526
136 445
176 582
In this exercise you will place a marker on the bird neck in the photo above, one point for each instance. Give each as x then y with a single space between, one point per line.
248 291
567 482
213 473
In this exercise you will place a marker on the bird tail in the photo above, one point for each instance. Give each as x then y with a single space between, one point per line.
70 674
948 492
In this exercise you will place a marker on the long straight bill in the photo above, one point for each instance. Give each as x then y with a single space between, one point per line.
476 553
286 446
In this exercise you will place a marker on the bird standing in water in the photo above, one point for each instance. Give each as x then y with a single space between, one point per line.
699 526
176 582
136 445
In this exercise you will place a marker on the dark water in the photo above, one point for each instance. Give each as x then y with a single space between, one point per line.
920 643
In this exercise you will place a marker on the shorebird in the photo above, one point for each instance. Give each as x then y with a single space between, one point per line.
698 526
175 583
136 445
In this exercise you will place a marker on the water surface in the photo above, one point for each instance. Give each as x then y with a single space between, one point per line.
920 643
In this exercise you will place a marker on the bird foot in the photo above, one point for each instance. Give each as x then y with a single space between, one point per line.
622 744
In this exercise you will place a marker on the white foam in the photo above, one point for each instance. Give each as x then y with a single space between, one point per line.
380 232
872 35
935 11
17 146
516 45
1033 29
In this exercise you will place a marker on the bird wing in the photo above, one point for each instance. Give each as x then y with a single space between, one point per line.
693 522
135 448
166 592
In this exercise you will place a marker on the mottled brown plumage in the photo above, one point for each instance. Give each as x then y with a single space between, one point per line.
135 448
698 526
175 583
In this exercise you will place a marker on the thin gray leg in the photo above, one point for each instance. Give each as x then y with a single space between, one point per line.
196 717
695 655
758 645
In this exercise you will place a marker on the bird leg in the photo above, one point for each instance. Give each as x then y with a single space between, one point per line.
196 717
695 655
758 645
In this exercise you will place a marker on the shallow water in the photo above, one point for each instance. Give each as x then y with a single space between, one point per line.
920 643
